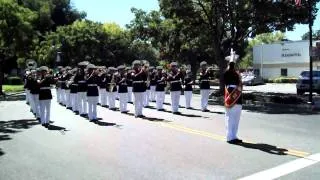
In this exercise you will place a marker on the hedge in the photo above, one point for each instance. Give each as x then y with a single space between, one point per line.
283 80
13 80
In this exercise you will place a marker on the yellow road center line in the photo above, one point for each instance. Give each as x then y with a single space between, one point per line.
181 128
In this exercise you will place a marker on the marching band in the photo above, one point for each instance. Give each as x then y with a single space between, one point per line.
82 88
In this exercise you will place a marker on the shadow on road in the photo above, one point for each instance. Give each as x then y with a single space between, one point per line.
15 126
264 147
150 118
280 110
101 123
1 152
56 128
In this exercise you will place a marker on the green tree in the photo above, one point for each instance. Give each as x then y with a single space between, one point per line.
315 35
16 33
52 13
222 25
266 38
85 40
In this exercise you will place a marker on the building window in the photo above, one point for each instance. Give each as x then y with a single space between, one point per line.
284 72
256 72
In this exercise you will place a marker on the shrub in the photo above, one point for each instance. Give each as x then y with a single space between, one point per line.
13 80
284 80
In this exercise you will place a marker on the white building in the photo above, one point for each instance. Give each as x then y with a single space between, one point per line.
287 58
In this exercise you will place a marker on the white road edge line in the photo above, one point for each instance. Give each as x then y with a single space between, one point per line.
285 169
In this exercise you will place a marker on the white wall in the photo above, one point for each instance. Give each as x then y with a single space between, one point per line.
286 52
280 55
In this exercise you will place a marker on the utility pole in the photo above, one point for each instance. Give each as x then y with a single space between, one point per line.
310 52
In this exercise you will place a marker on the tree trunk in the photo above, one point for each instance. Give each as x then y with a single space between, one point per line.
1 77
222 65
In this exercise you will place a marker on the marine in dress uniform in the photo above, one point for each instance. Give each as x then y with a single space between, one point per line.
92 92
58 84
82 89
68 88
74 91
138 87
233 100
34 91
188 83
204 82
122 89
153 84
102 86
146 96
45 96
161 80
129 84
63 84
27 86
175 78
111 88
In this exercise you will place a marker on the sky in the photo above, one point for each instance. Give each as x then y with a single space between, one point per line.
118 11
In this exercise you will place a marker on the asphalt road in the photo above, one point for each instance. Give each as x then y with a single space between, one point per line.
161 146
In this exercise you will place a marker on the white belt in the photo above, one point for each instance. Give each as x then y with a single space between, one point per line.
135 82
92 84
82 82
174 81
43 88
231 86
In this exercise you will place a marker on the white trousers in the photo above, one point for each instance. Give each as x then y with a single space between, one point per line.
58 90
45 106
130 94
232 119
175 100
68 101
205 93
123 100
92 107
160 96
152 93
82 100
74 101
63 96
138 103
28 96
103 96
146 98
188 96
35 106
111 99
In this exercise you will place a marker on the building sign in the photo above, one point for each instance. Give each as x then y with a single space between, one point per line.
287 52
290 54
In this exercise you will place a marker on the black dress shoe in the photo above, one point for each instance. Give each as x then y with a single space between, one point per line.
160 109
124 112
205 110
177 113
69 108
235 141
83 115
189 108
141 116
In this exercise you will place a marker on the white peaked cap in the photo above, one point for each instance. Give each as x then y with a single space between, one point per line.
233 56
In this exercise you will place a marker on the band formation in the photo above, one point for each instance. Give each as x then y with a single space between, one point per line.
82 88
